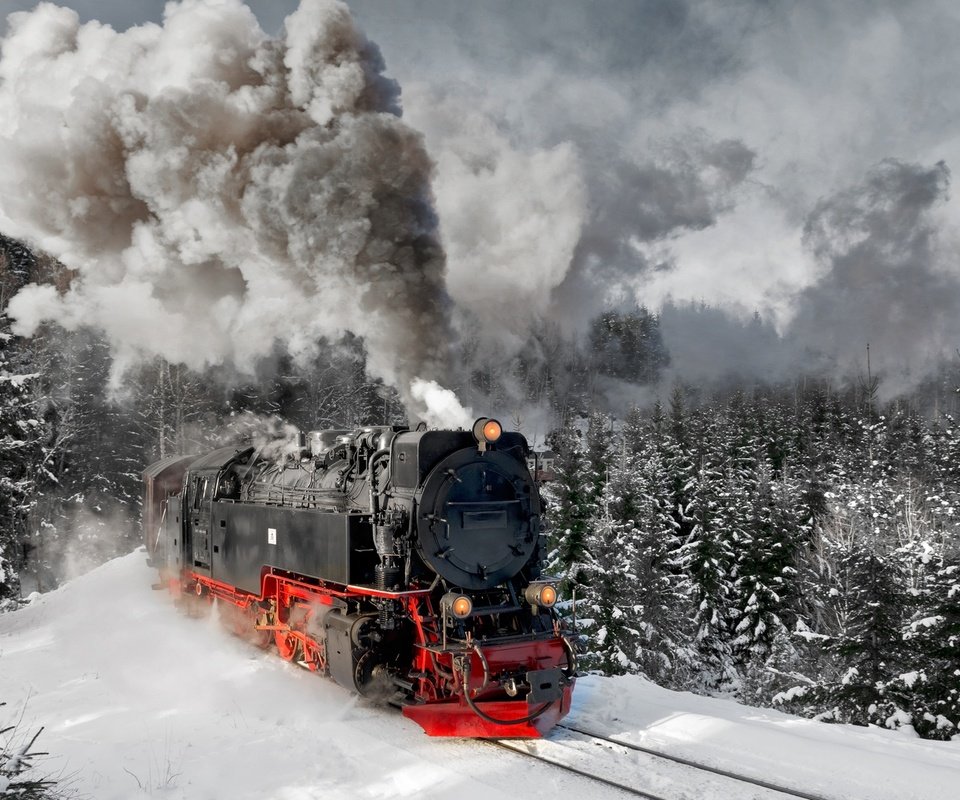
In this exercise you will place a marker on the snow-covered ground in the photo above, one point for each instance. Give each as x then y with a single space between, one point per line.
139 701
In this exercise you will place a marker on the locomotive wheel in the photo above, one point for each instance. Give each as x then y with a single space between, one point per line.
288 645
313 657
372 678
258 638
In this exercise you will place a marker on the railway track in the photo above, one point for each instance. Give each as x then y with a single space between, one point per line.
639 771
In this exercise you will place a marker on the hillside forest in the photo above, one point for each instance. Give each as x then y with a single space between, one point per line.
791 543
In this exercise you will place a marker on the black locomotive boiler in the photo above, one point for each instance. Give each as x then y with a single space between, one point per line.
404 564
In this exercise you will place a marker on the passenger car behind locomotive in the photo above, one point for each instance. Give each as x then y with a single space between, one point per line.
404 564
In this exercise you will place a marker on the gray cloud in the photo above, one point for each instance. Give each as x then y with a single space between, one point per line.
887 281
708 135
641 202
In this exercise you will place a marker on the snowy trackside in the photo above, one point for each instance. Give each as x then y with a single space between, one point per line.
139 701
841 761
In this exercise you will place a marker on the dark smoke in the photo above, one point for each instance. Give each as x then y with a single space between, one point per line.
221 191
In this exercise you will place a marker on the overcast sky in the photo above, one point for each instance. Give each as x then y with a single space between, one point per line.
792 158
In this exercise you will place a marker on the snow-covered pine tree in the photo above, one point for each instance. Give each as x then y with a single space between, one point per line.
18 451
610 581
599 452
637 434
663 610
679 461
932 637
21 432
863 607
770 534
598 529
569 506
871 646
766 573
709 558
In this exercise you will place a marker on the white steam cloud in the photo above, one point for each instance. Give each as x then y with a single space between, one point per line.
441 408
219 191
274 438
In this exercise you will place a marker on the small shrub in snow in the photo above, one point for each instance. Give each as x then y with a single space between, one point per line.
18 776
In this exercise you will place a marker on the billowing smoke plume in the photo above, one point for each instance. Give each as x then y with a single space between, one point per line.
220 191
696 158
510 217
675 153
642 203
886 281
274 438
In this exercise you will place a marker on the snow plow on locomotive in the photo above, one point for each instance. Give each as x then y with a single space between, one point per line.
403 564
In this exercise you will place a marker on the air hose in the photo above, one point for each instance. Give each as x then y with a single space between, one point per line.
486 680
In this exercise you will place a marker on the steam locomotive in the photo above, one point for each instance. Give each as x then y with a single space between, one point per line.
405 564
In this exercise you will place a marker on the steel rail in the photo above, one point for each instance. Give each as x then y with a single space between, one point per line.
696 764
575 770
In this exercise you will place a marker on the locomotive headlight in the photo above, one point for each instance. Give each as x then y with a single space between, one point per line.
487 431
541 594
492 430
457 604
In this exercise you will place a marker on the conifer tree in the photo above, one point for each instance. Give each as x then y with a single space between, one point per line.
933 639
870 646
20 437
679 463
569 506
611 582
765 569
709 560
664 612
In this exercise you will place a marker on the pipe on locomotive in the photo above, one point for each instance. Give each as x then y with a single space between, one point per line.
387 573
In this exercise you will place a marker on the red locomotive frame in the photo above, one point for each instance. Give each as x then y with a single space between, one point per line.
442 707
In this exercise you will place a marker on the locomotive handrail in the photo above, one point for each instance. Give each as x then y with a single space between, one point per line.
370 590
486 671
461 645
387 593
502 609
163 516
309 496
374 489
571 657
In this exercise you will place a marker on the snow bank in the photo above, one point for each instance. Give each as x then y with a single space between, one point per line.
838 761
